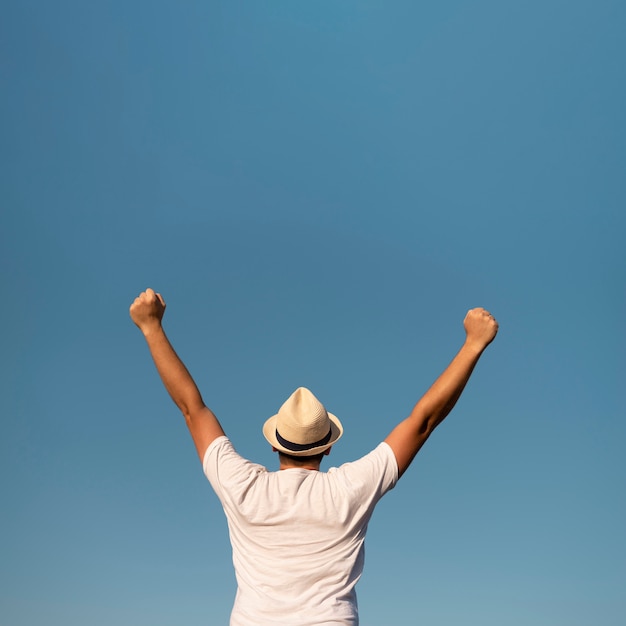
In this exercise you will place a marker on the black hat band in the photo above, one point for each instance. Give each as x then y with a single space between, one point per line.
299 447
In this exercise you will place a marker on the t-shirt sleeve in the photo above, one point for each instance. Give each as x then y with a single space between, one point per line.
227 471
374 474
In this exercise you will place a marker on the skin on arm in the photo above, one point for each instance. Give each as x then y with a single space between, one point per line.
409 436
147 312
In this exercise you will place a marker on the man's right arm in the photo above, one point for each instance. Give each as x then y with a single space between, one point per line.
147 312
409 436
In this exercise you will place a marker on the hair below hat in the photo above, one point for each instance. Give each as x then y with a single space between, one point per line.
302 426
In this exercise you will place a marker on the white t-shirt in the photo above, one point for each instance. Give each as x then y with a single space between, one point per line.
297 535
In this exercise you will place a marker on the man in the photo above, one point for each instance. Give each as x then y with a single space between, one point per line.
297 534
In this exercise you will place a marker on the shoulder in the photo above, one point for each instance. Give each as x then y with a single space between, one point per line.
381 456
217 446
378 468
222 463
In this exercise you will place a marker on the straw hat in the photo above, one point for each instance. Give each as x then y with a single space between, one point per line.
302 426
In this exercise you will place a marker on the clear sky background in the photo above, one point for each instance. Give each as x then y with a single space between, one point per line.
320 190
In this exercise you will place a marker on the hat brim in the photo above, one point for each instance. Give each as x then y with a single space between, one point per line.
269 432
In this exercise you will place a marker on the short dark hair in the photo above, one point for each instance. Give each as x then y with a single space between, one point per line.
301 460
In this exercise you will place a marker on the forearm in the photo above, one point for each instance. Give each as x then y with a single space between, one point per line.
175 376
443 394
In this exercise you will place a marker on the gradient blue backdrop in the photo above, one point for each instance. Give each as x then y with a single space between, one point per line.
320 190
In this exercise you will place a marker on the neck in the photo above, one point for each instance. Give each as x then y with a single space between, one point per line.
312 462
313 468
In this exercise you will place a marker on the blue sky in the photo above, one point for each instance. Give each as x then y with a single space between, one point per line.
320 191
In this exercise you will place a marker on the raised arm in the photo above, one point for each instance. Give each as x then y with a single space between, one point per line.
410 435
147 312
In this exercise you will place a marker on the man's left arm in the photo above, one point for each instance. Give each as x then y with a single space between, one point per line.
147 312
409 436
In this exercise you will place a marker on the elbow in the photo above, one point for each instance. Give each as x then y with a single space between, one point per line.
428 424
191 413
424 428
187 416
184 408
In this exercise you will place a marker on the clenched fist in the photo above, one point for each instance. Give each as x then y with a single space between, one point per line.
147 310
480 327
